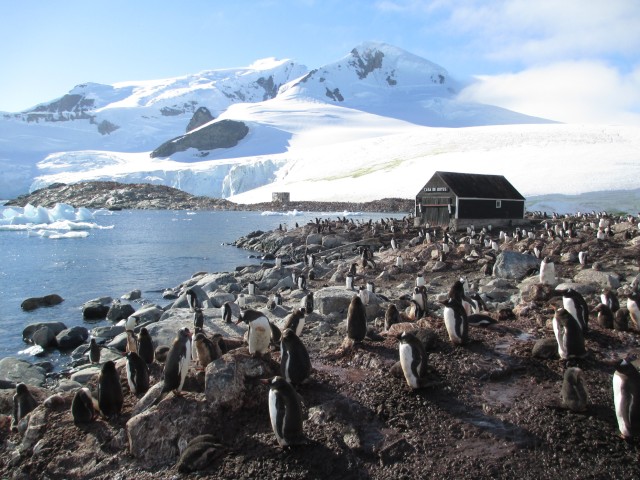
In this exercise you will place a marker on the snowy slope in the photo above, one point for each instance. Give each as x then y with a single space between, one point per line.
376 123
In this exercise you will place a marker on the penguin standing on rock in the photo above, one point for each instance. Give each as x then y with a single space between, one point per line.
413 359
295 364
456 321
198 320
548 272
178 360
259 331
626 398
356 320
192 300
145 346
574 392
94 351
295 321
206 350
132 342
308 303
23 404
110 398
285 411
226 312
568 335
82 406
137 374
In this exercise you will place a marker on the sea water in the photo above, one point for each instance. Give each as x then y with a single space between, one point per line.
149 250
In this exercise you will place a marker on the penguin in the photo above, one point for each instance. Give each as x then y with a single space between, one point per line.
251 287
192 300
576 305
457 292
413 359
626 398
207 350
226 312
414 311
177 363
23 404
456 321
574 392
349 281
605 316
477 303
621 320
568 335
391 316
132 342
295 364
633 305
131 323
82 409
420 296
219 340
110 398
145 346
480 320
198 320
302 282
419 280
548 271
94 351
285 411
259 331
363 293
356 320
137 374
295 321
276 334
582 257
610 299
308 303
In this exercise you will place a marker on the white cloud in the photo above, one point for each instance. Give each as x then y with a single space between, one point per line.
571 92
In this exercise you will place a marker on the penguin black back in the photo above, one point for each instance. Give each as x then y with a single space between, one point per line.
568 335
23 403
574 391
295 321
295 364
285 411
145 346
177 363
198 320
94 351
626 398
110 397
82 409
356 320
137 374
391 316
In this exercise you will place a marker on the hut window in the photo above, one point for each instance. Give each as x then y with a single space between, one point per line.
498 203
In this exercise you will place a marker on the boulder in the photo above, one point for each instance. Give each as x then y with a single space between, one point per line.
602 279
581 288
72 337
148 314
181 302
333 241
132 295
514 265
314 239
54 327
16 371
545 348
218 298
85 375
44 337
120 311
333 299
107 333
37 302
97 308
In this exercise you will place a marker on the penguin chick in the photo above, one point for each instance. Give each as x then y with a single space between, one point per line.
391 316
207 351
132 342
23 404
137 374
145 346
295 321
110 397
285 412
605 316
356 320
574 392
82 406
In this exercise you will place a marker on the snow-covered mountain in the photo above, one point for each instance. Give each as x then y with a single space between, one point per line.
376 123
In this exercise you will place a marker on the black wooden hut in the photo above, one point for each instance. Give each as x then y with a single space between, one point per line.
460 199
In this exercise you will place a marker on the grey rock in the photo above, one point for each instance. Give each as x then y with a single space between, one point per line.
16 371
602 279
514 265
201 116
45 337
132 295
37 302
545 348
148 314
120 311
96 309
107 333
72 337
333 299
54 327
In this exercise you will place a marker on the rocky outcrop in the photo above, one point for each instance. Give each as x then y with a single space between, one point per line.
37 302
201 116
222 134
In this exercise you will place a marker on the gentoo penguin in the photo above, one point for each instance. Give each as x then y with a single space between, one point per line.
137 374
308 303
456 322
259 331
82 409
568 335
349 281
356 320
206 350
132 342
23 404
302 282
94 351
605 316
295 321
177 363
414 311
574 392
457 292
413 359
419 280
131 323
576 305
582 257
110 398
633 305
477 303
226 312
285 411
198 320
251 287
610 299
192 300
548 272
621 320
145 346
276 334
480 320
295 364
363 293
391 316
626 398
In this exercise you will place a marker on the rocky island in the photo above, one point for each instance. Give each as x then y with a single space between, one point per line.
489 408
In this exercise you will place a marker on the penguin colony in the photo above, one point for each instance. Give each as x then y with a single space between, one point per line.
458 313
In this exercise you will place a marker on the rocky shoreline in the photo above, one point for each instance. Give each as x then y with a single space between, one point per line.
145 196
492 408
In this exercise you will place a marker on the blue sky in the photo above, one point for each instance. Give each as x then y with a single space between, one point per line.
569 60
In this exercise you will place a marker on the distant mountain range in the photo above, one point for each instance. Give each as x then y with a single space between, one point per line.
373 124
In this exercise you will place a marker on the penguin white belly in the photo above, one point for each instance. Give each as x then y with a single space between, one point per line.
548 273
259 335
570 306
559 332
300 327
618 402
406 359
450 324
273 414
183 366
634 311
132 385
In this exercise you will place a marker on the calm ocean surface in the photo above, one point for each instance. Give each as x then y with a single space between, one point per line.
146 250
